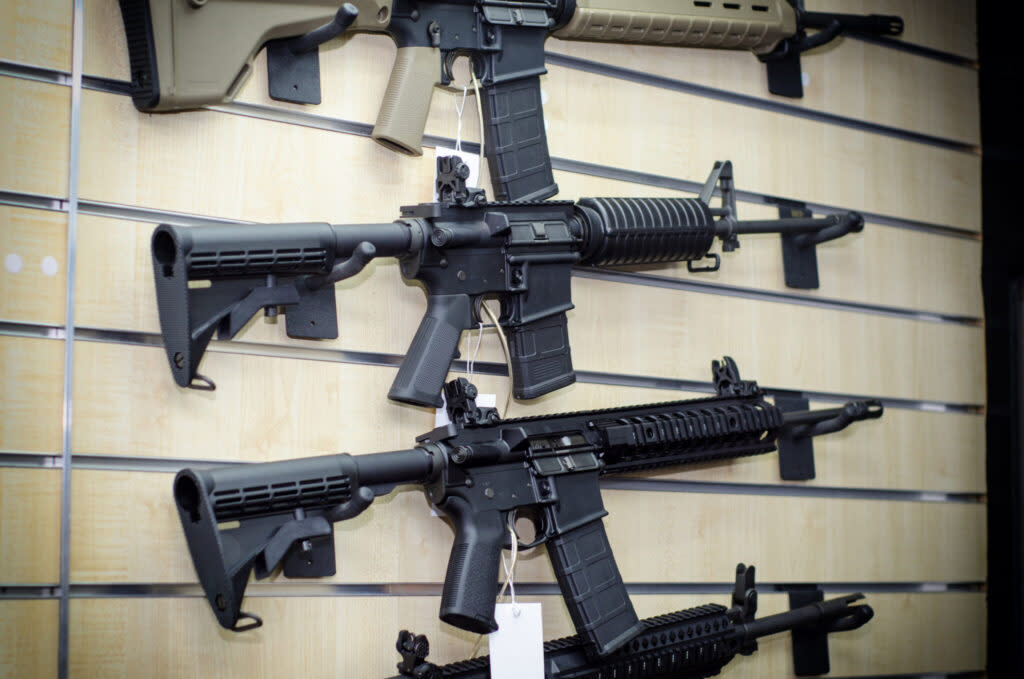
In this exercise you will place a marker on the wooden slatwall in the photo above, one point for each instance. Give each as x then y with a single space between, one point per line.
897 507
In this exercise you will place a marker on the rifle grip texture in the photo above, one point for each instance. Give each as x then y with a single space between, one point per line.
403 113
421 375
592 587
541 357
470 585
516 144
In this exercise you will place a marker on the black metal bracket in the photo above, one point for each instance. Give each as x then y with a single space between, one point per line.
810 642
785 76
293 64
799 252
796 454
796 439
799 264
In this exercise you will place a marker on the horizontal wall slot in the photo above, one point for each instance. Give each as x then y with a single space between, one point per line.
608 70
568 165
297 588
137 338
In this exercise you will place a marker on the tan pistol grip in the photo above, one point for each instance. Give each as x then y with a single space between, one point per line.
403 114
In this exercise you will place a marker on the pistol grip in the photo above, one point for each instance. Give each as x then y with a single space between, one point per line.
403 113
541 357
421 375
516 144
470 585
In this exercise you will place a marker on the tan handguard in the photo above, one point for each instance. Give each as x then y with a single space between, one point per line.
190 53
757 26
403 113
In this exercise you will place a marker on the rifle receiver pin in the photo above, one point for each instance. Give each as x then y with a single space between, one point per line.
460 454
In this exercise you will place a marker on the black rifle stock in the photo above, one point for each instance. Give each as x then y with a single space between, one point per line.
689 644
461 250
482 472
190 53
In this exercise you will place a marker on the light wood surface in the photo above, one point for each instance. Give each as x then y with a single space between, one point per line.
30 531
34 133
36 32
848 78
32 394
268 408
28 639
945 25
33 285
330 637
699 537
774 153
212 163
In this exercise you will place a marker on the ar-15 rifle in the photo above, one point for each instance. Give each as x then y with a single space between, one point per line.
483 472
461 249
190 53
690 644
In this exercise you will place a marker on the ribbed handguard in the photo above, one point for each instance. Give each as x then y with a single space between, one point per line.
516 144
620 231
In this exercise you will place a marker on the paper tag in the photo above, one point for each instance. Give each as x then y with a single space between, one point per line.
470 159
517 648
482 401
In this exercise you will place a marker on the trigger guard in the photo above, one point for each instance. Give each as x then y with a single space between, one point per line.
448 59
541 535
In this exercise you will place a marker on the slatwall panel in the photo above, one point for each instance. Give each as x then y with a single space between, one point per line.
897 508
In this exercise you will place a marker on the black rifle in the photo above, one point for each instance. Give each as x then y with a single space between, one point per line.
462 250
690 644
196 53
483 472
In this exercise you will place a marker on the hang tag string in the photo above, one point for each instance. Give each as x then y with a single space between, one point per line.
460 106
510 567
504 346
476 350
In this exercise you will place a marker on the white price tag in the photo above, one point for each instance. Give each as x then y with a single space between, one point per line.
517 648
472 160
482 401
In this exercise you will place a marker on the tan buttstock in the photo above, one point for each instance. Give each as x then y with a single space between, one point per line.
403 113
757 26
204 50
